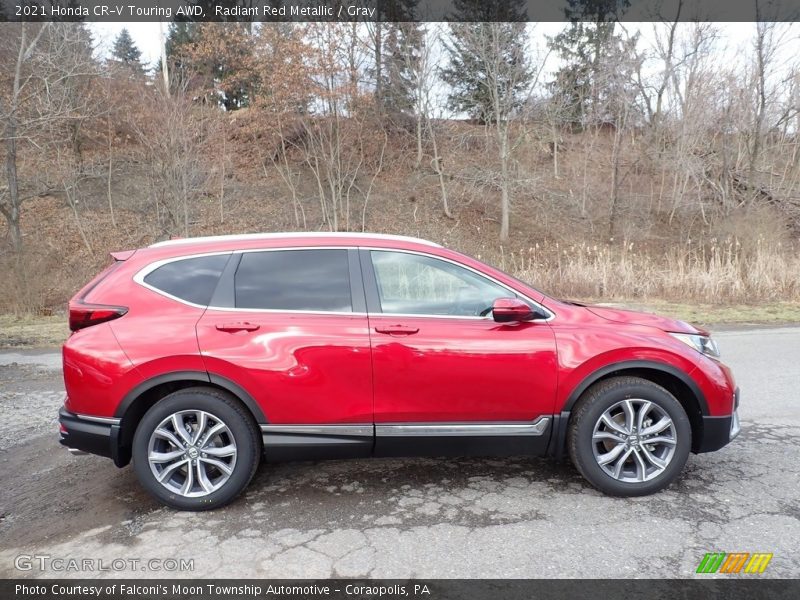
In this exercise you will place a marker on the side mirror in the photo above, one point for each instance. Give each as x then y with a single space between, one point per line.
510 310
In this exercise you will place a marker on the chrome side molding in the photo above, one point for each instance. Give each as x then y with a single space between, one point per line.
354 430
535 428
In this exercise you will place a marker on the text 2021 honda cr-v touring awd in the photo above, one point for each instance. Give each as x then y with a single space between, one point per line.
196 358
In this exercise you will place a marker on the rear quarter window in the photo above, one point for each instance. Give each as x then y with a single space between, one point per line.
189 279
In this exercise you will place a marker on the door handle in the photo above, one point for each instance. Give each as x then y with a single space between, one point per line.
397 329
234 327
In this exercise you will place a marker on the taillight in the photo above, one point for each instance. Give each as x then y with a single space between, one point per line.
85 315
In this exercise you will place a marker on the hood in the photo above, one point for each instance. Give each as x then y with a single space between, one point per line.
633 317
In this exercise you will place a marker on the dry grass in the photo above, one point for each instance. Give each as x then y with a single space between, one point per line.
768 313
722 282
727 272
30 331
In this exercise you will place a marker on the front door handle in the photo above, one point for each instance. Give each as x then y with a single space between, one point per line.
397 329
234 327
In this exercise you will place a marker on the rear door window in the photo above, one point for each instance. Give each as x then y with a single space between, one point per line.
189 279
311 280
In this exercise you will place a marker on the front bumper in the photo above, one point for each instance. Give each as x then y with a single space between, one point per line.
720 431
95 435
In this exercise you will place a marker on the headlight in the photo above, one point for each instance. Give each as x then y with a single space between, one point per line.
702 343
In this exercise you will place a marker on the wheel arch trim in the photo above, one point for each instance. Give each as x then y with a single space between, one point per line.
193 376
630 365
558 439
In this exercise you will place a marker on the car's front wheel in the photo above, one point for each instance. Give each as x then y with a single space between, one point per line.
196 449
629 437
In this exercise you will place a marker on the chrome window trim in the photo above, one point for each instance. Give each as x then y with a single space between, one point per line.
350 430
534 428
104 420
142 273
287 311
290 235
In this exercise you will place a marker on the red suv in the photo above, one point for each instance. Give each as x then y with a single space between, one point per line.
196 358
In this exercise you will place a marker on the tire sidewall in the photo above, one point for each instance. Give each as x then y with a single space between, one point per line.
239 427
584 430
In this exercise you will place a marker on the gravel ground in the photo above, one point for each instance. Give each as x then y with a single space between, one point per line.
421 518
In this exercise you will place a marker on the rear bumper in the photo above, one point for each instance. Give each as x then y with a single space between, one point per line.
720 431
95 435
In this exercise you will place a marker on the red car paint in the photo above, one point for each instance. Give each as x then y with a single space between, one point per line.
314 368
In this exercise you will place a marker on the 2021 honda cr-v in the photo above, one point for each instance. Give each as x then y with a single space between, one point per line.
196 358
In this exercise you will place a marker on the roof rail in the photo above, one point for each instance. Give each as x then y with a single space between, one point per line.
290 235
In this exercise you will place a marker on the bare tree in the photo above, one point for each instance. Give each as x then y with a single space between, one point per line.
422 68
162 42
178 140
505 85
769 39
16 125
44 102
665 34
336 134
617 108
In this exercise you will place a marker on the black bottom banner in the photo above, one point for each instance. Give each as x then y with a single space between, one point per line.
433 589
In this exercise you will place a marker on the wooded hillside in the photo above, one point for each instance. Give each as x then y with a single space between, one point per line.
632 171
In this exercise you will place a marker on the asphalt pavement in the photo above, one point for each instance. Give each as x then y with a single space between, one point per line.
401 518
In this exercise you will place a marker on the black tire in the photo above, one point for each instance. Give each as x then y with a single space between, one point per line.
240 425
588 411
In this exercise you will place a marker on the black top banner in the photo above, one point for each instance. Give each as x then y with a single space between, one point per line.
399 10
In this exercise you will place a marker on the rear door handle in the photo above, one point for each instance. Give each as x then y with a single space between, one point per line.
234 327
397 329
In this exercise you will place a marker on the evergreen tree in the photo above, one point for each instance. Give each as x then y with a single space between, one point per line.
398 41
179 36
586 47
481 11
487 52
126 52
215 59
401 52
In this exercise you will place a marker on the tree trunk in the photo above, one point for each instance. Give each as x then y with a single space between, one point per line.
612 217
418 162
555 150
69 190
110 172
164 66
437 166
505 198
378 65
505 205
12 213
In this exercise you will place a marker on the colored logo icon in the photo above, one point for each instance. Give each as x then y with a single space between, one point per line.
734 562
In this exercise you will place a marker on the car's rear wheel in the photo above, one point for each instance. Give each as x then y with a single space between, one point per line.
629 437
196 449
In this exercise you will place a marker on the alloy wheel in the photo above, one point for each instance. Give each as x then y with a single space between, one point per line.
634 440
192 453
